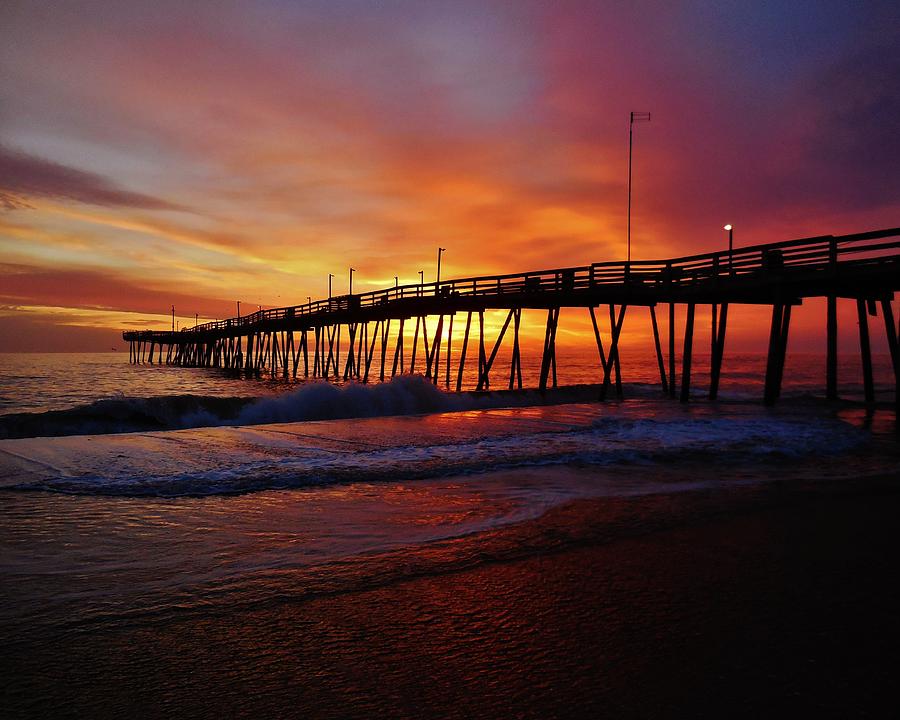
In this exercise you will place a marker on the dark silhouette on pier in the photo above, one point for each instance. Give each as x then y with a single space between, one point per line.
864 267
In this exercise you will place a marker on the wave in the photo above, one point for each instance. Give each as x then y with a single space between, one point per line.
751 444
120 415
403 395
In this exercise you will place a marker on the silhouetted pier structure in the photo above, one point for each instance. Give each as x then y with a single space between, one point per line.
306 339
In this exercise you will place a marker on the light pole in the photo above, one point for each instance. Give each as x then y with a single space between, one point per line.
352 270
632 118
730 228
440 252
239 308
421 281
196 319
173 318
309 300
330 278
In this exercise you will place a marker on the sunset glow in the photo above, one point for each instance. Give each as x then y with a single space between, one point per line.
197 154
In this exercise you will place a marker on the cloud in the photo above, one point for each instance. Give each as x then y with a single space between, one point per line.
91 290
23 176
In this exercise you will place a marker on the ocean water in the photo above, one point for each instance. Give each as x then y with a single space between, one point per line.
134 497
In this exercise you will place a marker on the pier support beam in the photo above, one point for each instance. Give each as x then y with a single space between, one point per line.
462 353
449 350
385 334
831 349
548 358
778 338
484 382
686 359
891 332
672 349
865 351
398 351
718 349
659 354
515 365
615 357
612 359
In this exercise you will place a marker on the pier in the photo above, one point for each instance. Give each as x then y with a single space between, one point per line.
337 338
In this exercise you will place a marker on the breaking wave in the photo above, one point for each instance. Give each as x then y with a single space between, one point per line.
612 442
404 395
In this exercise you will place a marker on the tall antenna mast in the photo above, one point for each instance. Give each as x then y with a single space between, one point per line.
632 119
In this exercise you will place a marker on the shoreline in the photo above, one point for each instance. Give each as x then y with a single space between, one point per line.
774 597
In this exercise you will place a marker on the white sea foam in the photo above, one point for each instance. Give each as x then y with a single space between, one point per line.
290 456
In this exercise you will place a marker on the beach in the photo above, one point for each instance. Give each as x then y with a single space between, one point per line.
423 554
770 600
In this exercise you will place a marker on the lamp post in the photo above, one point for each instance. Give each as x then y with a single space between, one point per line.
173 318
196 319
421 281
352 270
632 118
730 229
440 252
330 277
309 300
239 308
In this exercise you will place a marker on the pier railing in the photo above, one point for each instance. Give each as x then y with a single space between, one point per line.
765 263
864 267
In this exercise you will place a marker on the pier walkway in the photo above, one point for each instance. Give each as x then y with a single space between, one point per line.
306 339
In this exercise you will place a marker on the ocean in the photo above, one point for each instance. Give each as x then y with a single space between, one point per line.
180 541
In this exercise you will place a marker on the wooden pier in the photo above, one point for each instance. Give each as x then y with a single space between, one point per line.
336 338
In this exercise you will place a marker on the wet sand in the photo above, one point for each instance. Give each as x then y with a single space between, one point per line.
764 600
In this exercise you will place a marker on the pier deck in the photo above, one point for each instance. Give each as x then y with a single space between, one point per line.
864 267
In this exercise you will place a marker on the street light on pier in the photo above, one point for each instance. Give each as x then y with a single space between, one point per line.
352 270
440 252
421 281
330 278
196 319
730 228
239 308
173 318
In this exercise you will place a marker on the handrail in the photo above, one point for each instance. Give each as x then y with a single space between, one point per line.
791 255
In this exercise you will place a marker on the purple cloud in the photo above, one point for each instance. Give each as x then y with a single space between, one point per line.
23 176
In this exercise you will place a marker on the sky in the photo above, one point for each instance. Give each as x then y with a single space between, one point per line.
203 153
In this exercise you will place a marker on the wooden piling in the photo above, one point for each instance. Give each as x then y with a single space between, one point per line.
385 334
715 370
598 339
686 358
865 351
549 350
616 363
613 357
672 388
659 356
449 350
462 353
484 382
831 349
891 333
778 338
482 357
412 359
